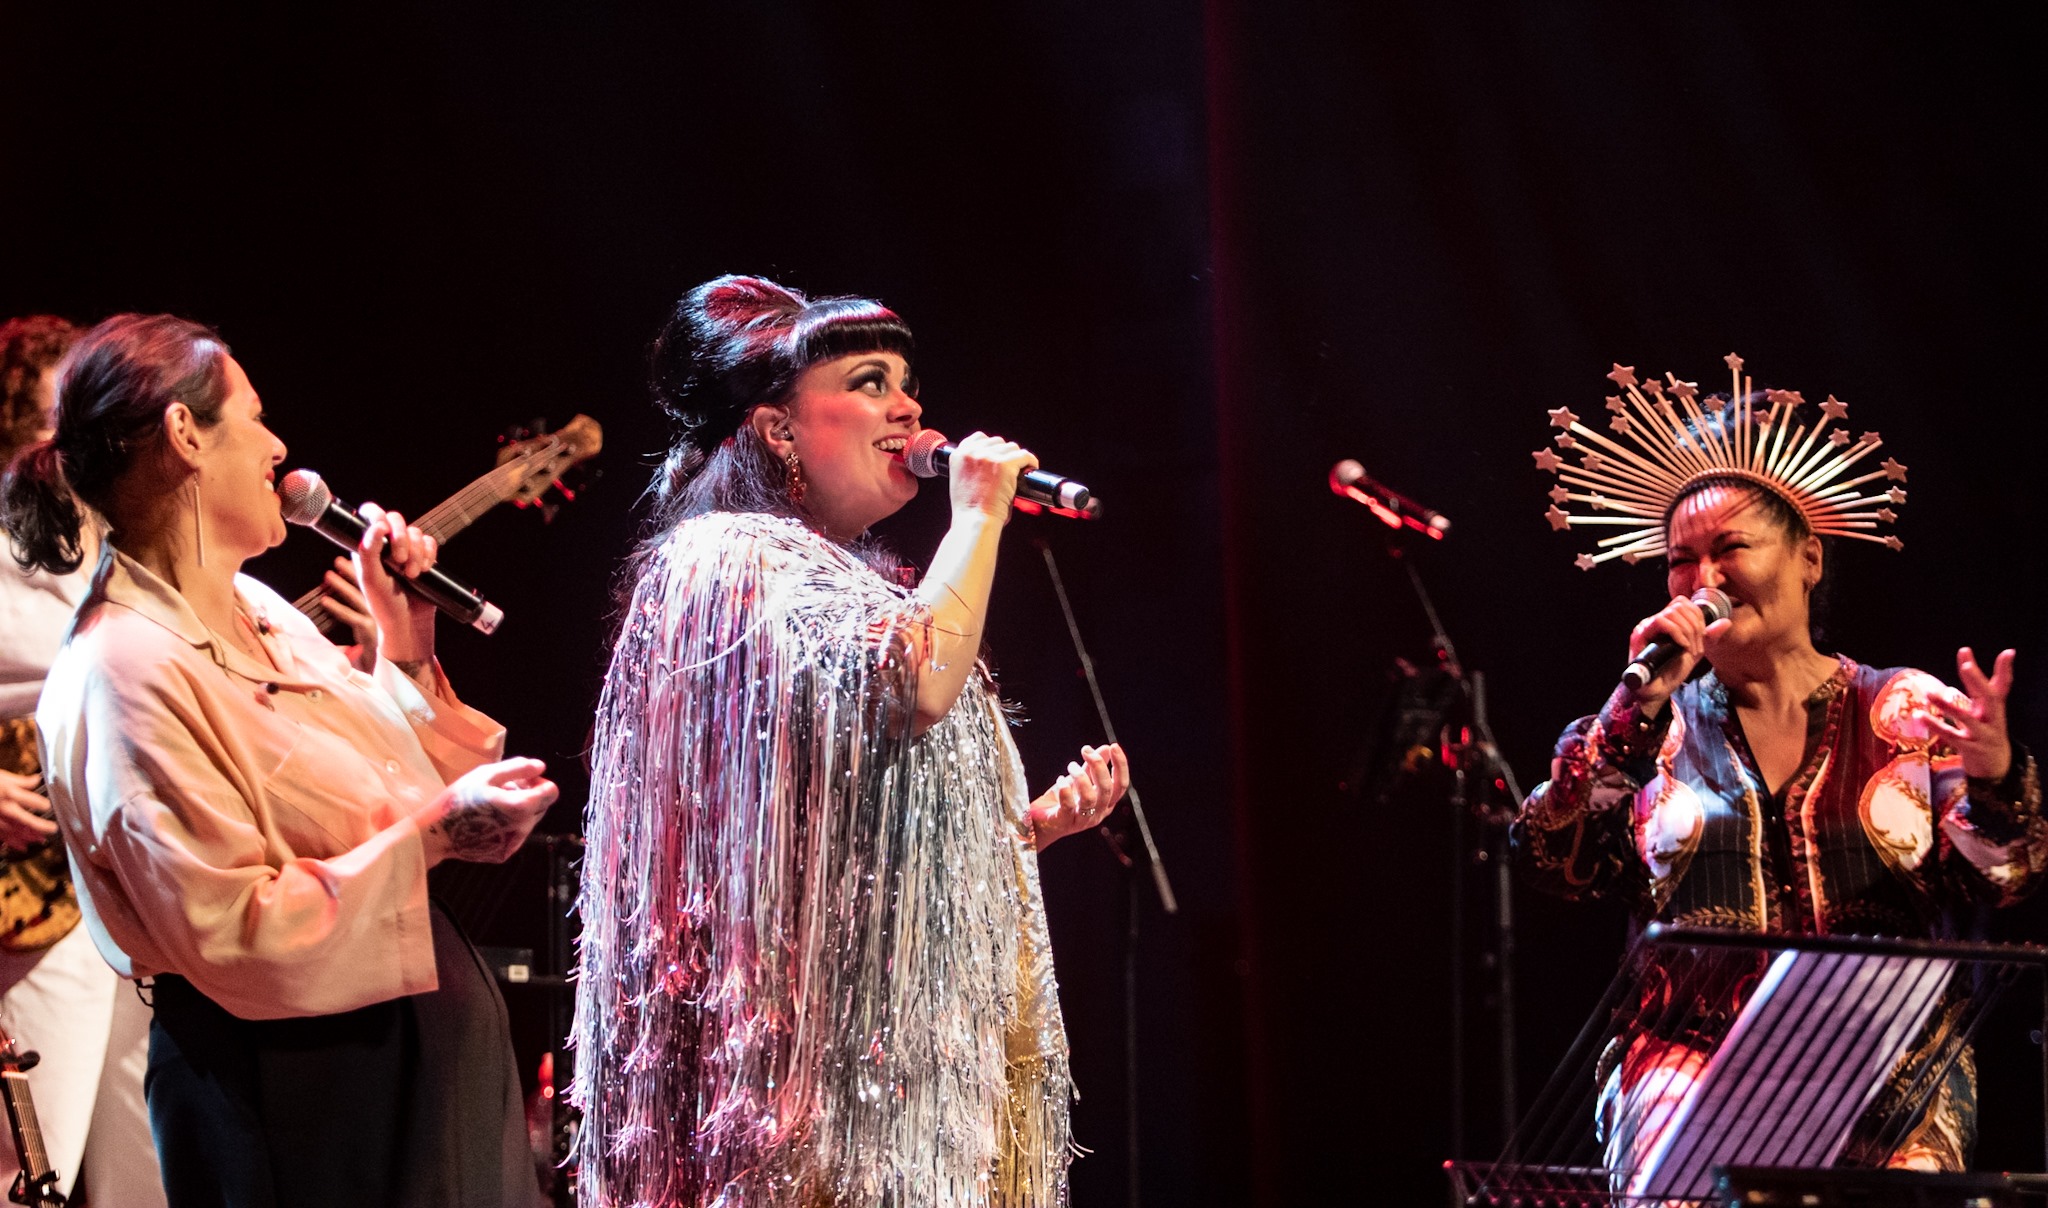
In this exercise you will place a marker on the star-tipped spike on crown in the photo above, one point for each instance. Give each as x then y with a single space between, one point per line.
1667 440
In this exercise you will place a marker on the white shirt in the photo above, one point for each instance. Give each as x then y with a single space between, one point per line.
35 610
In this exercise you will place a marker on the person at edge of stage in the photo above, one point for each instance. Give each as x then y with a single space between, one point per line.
1773 795
58 999
251 820
814 967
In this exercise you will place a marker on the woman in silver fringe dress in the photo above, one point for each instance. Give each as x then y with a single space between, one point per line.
814 967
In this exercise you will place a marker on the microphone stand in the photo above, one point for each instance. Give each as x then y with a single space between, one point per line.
1475 750
1120 850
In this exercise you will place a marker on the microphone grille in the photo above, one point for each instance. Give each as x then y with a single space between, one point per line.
1346 473
922 455
303 496
1714 603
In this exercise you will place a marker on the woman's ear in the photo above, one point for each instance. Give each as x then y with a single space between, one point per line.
1814 556
771 423
181 434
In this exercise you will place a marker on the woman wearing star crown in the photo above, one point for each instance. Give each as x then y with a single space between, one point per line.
1786 791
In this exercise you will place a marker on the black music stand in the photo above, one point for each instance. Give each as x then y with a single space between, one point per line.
1777 1187
1721 1065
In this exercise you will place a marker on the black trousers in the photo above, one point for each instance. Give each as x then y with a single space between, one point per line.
412 1102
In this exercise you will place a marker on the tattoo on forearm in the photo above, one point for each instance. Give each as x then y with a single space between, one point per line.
480 832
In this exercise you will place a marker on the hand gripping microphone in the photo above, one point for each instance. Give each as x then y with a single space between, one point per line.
1349 479
1712 601
930 453
307 501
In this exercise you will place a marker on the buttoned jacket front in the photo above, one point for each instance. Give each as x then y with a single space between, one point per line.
248 825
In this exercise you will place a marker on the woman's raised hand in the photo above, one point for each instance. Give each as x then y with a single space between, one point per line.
24 814
1084 796
1680 621
1973 720
405 622
344 601
983 475
487 812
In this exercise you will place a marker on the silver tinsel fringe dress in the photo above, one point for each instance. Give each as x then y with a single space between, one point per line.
814 966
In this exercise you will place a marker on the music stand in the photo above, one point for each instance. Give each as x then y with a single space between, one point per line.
1716 1052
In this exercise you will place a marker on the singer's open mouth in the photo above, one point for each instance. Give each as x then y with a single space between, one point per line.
893 445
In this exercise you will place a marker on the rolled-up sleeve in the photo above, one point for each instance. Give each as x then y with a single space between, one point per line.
455 737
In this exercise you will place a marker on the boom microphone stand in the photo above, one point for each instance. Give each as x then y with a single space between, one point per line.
1119 848
1469 751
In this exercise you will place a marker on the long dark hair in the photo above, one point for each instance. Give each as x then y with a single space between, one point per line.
730 345
111 394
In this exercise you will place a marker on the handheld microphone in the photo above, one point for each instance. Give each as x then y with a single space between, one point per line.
307 501
1349 479
930 453
1712 601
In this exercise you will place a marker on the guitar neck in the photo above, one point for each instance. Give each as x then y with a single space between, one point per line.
441 522
464 507
28 1134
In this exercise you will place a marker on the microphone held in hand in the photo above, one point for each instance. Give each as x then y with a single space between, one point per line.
930 453
1712 601
1349 479
307 501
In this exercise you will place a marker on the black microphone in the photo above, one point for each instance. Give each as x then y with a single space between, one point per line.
1712 601
930 452
1349 479
307 501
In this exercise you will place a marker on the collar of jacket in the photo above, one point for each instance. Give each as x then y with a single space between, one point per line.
121 580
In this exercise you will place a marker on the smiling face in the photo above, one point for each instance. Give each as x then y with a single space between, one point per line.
237 460
848 420
1723 536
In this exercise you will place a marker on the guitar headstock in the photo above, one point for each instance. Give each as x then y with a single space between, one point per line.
535 460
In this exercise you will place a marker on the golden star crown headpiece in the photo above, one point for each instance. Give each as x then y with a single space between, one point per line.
1676 439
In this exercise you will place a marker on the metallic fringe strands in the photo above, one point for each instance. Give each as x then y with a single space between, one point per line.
814 967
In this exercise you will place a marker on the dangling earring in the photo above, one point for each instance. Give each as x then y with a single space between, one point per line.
198 523
796 477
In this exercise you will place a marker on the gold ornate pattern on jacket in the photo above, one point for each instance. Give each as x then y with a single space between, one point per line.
1879 832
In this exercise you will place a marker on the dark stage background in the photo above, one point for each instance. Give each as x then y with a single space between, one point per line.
1192 256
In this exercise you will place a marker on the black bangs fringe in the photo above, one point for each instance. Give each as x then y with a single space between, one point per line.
860 326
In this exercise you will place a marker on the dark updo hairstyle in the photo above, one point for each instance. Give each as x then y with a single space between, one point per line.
731 345
112 391
30 348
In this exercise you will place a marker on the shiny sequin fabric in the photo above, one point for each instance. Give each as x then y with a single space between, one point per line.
814 966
